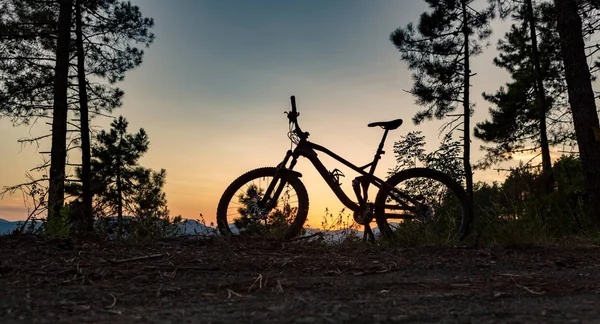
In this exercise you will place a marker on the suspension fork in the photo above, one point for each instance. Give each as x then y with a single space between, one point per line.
266 201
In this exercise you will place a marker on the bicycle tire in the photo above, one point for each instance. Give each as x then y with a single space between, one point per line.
303 202
457 189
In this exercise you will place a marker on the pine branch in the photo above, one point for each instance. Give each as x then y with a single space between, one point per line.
40 167
31 140
428 39
449 124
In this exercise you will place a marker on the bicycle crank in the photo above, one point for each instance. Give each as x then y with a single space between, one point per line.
365 216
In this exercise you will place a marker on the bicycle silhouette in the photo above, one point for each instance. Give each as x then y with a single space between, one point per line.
410 195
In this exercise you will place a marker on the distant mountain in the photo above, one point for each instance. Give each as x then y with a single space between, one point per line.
7 227
193 227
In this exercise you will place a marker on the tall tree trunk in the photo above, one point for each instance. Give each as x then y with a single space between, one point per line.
120 187
87 219
467 106
581 99
547 174
58 155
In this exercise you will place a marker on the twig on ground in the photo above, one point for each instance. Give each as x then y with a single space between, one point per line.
112 311
267 253
305 237
259 280
335 272
182 268
278 287
526 288
368 272
143 257
509 275
113 303
158 291
231 292
168 274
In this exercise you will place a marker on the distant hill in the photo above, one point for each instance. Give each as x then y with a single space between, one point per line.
7 227
193 227
189 227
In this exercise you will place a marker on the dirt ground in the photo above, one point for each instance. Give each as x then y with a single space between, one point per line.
231 281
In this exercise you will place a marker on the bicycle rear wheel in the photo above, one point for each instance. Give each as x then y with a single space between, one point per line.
241 212
429 206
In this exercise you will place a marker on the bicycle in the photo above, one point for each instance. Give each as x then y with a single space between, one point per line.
262 213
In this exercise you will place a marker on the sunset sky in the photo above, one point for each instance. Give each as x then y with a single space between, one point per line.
213 87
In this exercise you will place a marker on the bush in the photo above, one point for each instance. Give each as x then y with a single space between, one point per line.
514 212
146 228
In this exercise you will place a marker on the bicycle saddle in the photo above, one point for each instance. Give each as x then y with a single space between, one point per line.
389 125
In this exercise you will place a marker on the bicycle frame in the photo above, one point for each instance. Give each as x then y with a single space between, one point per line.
308 150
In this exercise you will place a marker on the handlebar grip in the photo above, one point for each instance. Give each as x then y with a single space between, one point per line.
293 100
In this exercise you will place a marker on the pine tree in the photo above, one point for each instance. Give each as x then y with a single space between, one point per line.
547 176
59 112
516 121
87 218
119 184
115 163
149 200
581 98
439 50
109 30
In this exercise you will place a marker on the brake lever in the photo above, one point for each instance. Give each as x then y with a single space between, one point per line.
288 113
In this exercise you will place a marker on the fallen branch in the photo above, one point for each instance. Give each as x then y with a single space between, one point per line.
528 289
231 292
143 257
258 279
158 291
279 287
183 268
113 303
372 272
305 237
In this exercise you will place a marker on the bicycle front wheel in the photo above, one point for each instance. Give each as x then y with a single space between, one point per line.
426 206
244 210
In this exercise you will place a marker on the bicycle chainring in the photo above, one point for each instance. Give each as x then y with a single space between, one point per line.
364 217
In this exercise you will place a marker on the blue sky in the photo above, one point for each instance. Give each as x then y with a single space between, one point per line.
214 85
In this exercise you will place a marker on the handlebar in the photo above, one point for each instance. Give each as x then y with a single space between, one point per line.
293 119
293 100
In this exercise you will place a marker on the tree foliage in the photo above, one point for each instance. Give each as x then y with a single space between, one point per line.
115 167
581 98
410 153
110 36
114 35
434 50
439 50
120 185
515 122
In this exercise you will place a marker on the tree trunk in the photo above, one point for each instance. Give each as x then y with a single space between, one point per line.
581 99
120 188
87 219
58 153
547 174
467 106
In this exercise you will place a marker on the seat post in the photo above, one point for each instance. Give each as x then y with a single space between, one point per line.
378 153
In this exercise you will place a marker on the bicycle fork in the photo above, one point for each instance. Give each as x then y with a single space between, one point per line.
269 199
